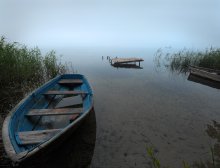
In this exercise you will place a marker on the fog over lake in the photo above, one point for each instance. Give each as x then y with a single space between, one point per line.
124 23
134 108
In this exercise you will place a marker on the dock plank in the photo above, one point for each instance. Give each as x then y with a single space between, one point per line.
48 112
66 92
34 137
70 81
125 60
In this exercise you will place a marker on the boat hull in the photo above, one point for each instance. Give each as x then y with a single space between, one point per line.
202 72
204 81
50 144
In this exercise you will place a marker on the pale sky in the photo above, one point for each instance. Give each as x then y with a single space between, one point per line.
113 23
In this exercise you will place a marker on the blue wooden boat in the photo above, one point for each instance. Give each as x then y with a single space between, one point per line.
46 117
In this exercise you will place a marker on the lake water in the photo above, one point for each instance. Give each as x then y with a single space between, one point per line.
134 108
138 108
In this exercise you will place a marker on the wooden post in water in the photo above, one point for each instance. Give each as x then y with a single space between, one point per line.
110 60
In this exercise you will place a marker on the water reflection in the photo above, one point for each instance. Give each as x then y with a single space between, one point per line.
76 151
132 66
172 61
203 81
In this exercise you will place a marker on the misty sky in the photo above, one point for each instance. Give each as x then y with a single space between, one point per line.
113 23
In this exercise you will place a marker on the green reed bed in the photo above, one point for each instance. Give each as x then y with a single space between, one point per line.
179 61
22 69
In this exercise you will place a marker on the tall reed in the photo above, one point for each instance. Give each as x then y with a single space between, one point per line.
180 61
22 69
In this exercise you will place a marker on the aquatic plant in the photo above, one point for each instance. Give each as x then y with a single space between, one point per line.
180 61
151 154
156 161
213 131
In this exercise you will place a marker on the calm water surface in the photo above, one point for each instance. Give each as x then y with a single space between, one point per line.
136 108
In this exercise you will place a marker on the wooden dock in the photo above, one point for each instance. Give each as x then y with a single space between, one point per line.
115 61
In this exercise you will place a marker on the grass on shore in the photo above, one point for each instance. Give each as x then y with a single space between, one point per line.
22 69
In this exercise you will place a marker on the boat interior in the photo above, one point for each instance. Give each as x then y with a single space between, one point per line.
48 110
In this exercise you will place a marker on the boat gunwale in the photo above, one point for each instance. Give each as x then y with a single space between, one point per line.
204 69
16 158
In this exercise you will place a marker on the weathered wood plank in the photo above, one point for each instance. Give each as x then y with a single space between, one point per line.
70 81
61 111
205 74
66 92
70 102
125 60
34 137
206 69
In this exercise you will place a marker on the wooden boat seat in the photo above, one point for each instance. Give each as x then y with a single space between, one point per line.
35 137
66 92
70 82
59 111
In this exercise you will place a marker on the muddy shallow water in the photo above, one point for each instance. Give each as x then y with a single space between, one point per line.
136 108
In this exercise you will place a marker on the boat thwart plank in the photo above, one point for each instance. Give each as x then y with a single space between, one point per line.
70 81
61 111
66 92
34 137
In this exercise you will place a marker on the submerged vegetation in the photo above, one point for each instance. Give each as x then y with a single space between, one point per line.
23 69
154 159
180 61
213 131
